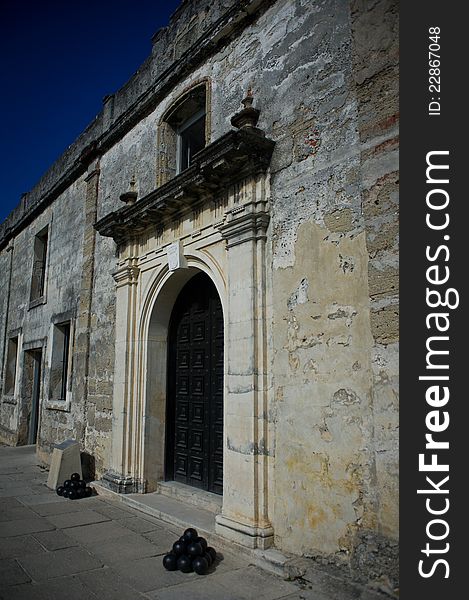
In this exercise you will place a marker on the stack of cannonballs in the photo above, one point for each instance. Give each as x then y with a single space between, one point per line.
190 553
74 488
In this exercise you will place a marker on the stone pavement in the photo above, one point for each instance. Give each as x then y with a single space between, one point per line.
52 548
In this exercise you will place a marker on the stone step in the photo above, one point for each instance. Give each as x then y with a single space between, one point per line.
180 515
189 495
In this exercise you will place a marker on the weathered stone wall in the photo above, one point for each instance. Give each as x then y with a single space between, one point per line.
7 421
101 357
376 67
324 75
334 382
87 415
65 221
320 325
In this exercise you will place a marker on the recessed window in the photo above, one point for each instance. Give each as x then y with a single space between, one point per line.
182 133
10 371
191 139
38 279
59 369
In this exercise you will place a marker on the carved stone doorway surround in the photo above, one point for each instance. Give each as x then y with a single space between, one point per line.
227 188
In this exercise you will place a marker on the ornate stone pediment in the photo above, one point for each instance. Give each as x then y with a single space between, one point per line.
233 157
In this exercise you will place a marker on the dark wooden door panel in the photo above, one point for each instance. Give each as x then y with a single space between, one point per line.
195 387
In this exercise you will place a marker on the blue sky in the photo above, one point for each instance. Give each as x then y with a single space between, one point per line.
58 61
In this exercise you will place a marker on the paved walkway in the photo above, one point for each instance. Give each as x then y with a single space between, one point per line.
52 548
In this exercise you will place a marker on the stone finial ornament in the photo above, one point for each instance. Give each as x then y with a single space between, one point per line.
130 197
249 98
246 119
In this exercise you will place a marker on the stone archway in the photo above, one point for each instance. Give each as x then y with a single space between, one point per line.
213 217
160 298
155 378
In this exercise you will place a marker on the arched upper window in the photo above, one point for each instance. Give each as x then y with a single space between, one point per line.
182 132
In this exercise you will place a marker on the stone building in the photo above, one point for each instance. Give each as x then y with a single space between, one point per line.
203 287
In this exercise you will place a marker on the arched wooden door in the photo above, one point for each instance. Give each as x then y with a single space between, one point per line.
194 440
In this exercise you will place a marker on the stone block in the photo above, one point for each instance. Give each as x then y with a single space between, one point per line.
139 525
65 461
19 546
75 519
54 540
196 589
252 537
11 573
9 502
107 585
123 549
162 540
148 574
22 527
251 582
33 500
97 532
66 562
64 587
19 512
113 512
66 506
17 490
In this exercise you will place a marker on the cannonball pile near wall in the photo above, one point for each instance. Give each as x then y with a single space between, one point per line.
190 553
74 488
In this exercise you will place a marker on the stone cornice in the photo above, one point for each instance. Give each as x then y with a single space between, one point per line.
233 157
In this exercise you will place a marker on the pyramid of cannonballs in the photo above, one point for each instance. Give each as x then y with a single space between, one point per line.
190 553
74 488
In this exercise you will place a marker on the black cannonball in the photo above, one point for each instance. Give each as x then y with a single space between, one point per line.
60 490
190 535
65 492
88 492
80 492
75 477
170 562
184 563
208 558
200 565
67 483
74 484
212 552
195 549
81 484
179 548
72 494
203 542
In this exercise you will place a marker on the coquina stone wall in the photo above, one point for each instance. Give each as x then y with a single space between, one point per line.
324 74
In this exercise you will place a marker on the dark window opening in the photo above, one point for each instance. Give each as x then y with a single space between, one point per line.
191 139
60 362
39 265
10 374
182 133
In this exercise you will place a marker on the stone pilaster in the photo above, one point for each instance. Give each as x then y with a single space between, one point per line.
245 517
83 320
124 475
